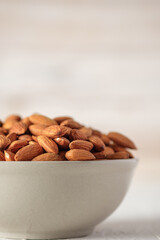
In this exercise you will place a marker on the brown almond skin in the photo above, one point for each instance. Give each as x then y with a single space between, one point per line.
48 157
41 119
48 144
98 143
118 155
28 152
37 129
121 149
77 134
121 140
3 130
96 133
16 145
9 123
55 131
2 158
26 137
18 128
4 142
81 144
71 124
12 137
26 121
62 118
62 142
13 117
32 142
9 156
105 139
103 154
86 131
79 155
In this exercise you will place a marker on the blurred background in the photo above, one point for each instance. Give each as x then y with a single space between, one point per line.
98 61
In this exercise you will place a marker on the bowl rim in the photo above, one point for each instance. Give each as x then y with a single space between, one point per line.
101 161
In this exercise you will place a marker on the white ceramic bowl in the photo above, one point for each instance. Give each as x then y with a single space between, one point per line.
46 200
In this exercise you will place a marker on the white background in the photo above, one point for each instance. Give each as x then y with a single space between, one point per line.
98 61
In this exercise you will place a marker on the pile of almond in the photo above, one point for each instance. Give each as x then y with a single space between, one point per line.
40 138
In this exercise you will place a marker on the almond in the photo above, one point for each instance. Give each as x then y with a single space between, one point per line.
86 131
62 155
32 142
37 129
62 142
77 135
12 136
9 156
16 145
121 140
26 137
105 139
48 157
81 144
48 144
79 155
40 119
26 121
71 124
35 139
96 133
18 128
28 152
3 131
121 149
9 123
13 117
55 131
118 155
97 142
4 142
103 154
62 118
2 158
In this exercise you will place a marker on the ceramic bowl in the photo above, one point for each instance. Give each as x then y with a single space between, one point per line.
46 200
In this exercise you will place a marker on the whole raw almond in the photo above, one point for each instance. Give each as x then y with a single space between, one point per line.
26 121
121 140
77 134
118 155
71 123
79 155
105 139
62 142
40 119
121 149
48 144
96 132
9 123
18 128
2 158
13 117
16 145
62 118
12 137
9 156
26 137
37 129
81 144
4 142
48 157
86 131
97 142
28 152
103 154
55 131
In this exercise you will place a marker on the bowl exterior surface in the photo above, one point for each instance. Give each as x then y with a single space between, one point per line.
46 200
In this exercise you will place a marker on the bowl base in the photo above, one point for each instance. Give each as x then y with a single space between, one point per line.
54 235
